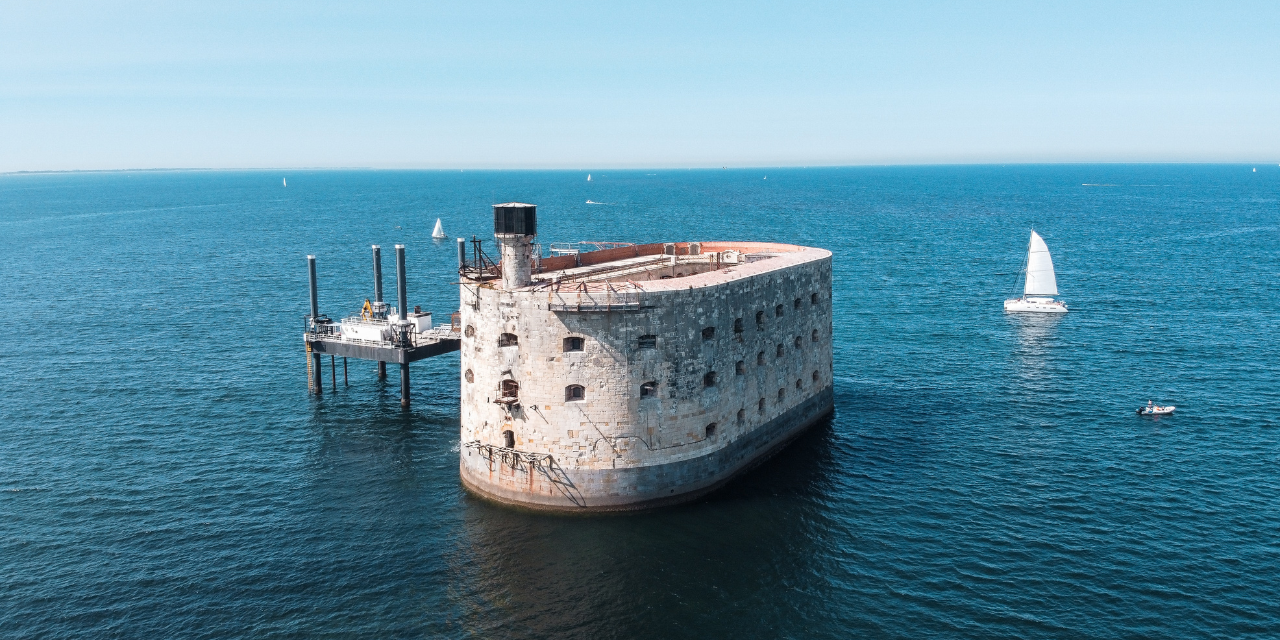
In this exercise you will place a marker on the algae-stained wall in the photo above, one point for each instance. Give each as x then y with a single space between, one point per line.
785 359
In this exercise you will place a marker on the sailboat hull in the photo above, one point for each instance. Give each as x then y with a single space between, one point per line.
1035 305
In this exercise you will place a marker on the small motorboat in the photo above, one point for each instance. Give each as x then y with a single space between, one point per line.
1155 410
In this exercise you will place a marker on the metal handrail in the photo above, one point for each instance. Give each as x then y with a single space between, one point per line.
511 456
415 339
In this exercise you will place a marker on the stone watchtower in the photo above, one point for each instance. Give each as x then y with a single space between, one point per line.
514 226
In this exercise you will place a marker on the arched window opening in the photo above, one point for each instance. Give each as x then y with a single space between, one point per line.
760 320
799 385
709 380
798 342
760 358
782 395
742 416
575 392
708 333
814 335
710 430
740 367
510 391
737 325
781 350
508 340
777 311
573 343
648 342
760 406
813 298
815 377
509 439
649 390
796 305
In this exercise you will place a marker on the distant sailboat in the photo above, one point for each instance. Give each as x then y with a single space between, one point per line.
1040 282
588 177
284 181
438 232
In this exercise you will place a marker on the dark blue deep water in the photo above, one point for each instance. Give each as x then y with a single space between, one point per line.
164 473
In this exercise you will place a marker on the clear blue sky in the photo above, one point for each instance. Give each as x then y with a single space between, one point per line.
593 85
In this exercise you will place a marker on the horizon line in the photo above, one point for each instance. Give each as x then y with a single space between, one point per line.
638 167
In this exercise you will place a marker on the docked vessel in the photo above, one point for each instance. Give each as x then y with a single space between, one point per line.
637 375
1040 284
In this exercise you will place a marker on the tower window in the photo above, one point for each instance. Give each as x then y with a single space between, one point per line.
648 342
760 320
814 335
573 343
813 298
742 416
740 367
796 305
737 325
760 406
509 439
710 430
708 333
777 311
760 358
508 340
798 342
709 380
781 351
649 390
815 377
574 392
799 385
782 395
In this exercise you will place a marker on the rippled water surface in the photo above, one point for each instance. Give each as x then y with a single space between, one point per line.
163 472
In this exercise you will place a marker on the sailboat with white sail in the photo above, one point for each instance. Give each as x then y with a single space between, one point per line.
1040 284
438 232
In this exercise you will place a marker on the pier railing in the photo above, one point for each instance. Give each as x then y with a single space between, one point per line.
401 335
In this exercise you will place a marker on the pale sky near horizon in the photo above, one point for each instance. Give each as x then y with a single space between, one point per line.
596 85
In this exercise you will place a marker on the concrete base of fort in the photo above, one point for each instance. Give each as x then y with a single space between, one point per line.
552 488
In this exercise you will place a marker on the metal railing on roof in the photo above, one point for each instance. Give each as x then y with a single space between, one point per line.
593 296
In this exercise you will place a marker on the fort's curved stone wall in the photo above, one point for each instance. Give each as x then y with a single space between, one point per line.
739 360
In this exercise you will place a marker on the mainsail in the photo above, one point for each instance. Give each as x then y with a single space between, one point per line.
1040 280
438 232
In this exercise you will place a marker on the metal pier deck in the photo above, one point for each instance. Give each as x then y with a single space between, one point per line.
378 333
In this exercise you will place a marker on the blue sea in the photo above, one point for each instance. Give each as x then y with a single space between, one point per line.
165 474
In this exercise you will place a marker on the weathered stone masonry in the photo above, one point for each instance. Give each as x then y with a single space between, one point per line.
588 395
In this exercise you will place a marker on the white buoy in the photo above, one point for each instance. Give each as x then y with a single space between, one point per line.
438 232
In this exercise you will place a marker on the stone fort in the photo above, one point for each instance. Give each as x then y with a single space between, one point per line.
638 375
